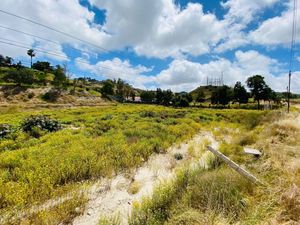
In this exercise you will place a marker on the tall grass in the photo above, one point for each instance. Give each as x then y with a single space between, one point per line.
106 140
198 197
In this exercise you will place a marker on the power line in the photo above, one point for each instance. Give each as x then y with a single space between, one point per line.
28 46
52 53
53 29
38 37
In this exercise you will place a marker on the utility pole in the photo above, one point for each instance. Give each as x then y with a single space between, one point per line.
289 91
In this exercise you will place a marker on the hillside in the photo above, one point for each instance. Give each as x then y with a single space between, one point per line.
206 90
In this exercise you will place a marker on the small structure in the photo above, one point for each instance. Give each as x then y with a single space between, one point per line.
252 151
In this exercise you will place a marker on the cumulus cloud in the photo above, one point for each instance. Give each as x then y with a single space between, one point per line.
183 75
160 28
240 14
276 30
69 16
244 10
117 68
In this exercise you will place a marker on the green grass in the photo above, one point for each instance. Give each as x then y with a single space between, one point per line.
195 197
95 142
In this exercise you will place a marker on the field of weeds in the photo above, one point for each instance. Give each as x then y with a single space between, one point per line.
93 142
218 195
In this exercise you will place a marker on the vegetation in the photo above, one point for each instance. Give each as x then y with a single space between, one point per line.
110 139
218 195
47 153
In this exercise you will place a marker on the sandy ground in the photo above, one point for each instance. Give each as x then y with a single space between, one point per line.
111 197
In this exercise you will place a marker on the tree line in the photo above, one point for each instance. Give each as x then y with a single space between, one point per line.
44 73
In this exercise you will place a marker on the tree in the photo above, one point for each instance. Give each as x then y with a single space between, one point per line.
222 95
240 94
132 95
8 61
147 96
2 60
257 85
200 97
22 76
167 97
43 66
182 100
159 96
120 89
19 65
60 77
107 88
31 53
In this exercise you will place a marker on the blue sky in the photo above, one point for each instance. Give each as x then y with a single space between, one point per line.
163 43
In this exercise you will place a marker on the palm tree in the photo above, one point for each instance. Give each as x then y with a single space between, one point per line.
31 53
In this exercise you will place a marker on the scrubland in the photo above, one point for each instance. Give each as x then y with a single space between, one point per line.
98 142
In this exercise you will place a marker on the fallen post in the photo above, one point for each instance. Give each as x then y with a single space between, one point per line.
234 166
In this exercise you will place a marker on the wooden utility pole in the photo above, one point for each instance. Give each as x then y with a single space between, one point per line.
289 91
234 166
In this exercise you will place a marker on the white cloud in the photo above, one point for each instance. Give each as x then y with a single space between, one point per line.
240 14
160 28
117 68
183 75
276 30
244 11
68 16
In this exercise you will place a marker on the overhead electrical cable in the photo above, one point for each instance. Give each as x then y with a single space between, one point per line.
11 43
54 29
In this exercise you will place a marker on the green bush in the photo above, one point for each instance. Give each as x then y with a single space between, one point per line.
30 95
178 156
5 130
35 125
52 95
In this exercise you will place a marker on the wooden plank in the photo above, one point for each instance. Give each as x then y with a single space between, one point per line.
252 151
234 166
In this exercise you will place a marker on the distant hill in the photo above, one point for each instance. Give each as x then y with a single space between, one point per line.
207 90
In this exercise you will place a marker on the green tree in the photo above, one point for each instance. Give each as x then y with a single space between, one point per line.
22 76
159 96
240 94
120 92
200 96
31 53
107 88
167 97
132 95
42 66
60 77
6 61
182 100
222 95
257 85
148 96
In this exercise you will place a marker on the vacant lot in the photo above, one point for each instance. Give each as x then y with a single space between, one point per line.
97 142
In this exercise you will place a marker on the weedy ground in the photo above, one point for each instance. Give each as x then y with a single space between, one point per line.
98 142
218 195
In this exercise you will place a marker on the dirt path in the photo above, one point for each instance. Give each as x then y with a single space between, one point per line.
111 197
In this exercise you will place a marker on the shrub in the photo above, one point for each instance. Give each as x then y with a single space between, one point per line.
30 95
52 95
35 125
178 156
5 130
147 114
